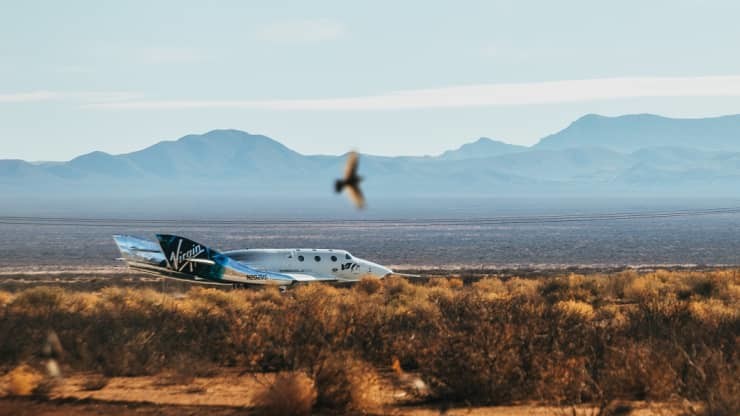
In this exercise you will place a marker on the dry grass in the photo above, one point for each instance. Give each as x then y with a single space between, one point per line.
492 288
565 340
713 311
22 381
369 285
345 383
5 298
575 309
291 393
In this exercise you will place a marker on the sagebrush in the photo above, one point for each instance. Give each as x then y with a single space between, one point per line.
564 340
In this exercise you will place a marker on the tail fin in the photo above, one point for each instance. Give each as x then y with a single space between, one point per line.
187 256
138 250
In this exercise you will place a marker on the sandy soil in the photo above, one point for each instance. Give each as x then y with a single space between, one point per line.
232 393
23 407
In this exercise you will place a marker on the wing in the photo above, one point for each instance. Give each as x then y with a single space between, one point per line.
355 194
309 277
350 169
255 274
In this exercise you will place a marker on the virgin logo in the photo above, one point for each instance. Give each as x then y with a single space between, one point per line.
178 259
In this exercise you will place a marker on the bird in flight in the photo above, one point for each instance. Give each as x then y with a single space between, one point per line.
351 181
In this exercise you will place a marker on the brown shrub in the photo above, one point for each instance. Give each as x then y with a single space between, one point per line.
613 317
575 309
369 285
40 301
130 353
5 298
455 283
345 383
719 391
644 288
214 297
22 380
398 288
291 393
571 287
527 288
315 324
732 293
565 381
704 285
490 342
491 288
640 370
615 284
724 399
270 294
713 311
463 360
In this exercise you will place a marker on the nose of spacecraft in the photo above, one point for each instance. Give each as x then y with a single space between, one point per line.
380 271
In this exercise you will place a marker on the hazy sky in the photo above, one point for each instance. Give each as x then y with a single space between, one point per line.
384 77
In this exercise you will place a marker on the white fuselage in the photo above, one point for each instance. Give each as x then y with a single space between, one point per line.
336 264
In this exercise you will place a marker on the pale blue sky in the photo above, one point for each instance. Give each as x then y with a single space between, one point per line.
328 76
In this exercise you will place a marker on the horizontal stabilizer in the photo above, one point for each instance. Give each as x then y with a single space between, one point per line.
138 250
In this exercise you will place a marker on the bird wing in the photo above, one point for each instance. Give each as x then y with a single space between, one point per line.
355 194
350 169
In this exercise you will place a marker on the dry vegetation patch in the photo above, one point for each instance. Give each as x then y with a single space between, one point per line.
22 381
5 298
565 340
291 393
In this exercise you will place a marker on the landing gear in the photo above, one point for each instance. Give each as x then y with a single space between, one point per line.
239 285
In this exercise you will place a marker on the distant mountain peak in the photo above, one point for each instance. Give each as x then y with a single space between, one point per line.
223 134
589 116
224 140
481 148
229 133
631 132
97 154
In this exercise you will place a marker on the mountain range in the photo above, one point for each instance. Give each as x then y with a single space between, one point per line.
595 155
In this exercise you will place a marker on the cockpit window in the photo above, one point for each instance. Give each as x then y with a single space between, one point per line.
300 258
333 258
347 256
317 258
